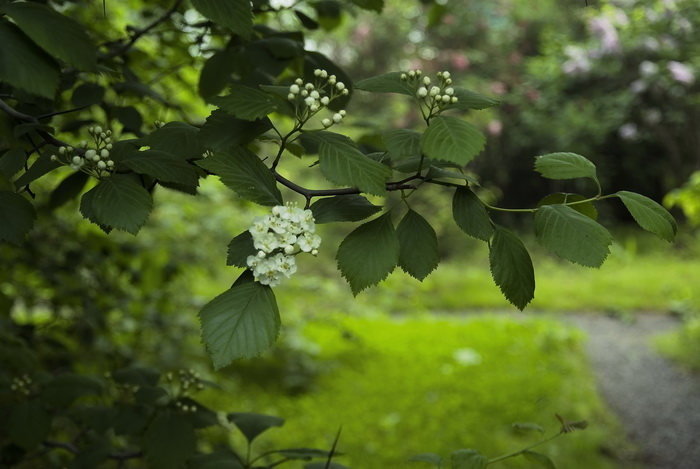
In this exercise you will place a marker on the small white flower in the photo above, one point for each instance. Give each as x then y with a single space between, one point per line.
325 100
309 101
337 118
314 94
426 81
342 112
454 99
78 160
422 92
317 72
101 165
104 153
309 86
54 158
445 75
326 122
90 154
411 73
62 150
404 77
299 82
445 98
340 86
98 130
449 91
313 107
291 97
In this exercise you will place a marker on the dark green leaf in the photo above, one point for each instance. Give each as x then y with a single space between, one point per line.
41 166
136 375
435 172
388 83
121 203
419 254
177 138
239 249
216 73
342 163
23 129
88 213
351 207
328 13
57 34
304 454
12 161
470 214
242 171
306 21
68 189
24 65
468 459
87 94
452 139
64 389
246 103
130 118
169 441
371 5
222 130
571 235
162 166
131 419
17 217
252 425
222 458
402 143
28 424
565 166
369 253
586 208
538 458
236 15
241 322
649 215
470 100
511 268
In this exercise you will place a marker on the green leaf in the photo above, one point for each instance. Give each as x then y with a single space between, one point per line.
528 427
41 166
246 103
57 34
402 143
162 166
88 213
236 15
351 207
28 424
23 129
369 253
177 138
252 425
241 322
130 118
538 458
324 465
136 375
565 166
12 161
24 65
649 215
239 249
304 454
387 83
222 130
242 171
62 390
468 459
419 254
87 94
131 419
216 73
17 217
571 235
586 208
511 268
371 5
342 163
306 21
470 214
121 203
431 458
471 100
169 441
435 172
452 139
328 13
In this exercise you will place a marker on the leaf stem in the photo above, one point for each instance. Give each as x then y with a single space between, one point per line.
528 448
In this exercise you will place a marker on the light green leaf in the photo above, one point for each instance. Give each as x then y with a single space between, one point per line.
169 440
241 322
177 138
242 171
511 268
351 207
162 166
419 254
540 459
239 248
388 83
452 139
246 103
470 214
586 208
431 458
649 215
57 34
24 65
12 161
471 100
121 203
468 459
402 143
435 172
236 15
565 166
252 425
571 235
17 217
28 424
222 130
342 163
369 253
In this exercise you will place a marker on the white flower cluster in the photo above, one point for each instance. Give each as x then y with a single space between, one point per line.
434 96
280 236
22 385
95 162
312 97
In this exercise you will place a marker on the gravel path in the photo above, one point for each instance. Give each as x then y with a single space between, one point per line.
657 402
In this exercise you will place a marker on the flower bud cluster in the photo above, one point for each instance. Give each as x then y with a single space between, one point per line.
309 98
434 95
278 237
22 385
189 379
93 161
186 408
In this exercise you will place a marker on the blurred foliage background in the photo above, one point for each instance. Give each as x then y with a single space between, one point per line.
406 367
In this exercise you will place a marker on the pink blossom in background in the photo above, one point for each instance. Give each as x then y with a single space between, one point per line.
607 33
460 62
495 128
498 87
681 72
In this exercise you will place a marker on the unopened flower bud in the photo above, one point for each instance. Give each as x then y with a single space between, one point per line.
54 158
314 94
426 81
422 92
325 100
340 86
294 89
326 122
62 150
101 165
342 112
337 118
77 160
453 99
104 153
